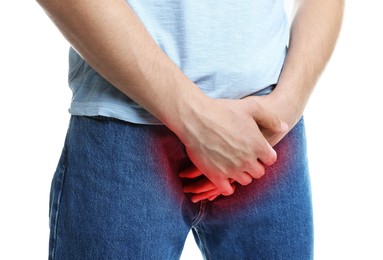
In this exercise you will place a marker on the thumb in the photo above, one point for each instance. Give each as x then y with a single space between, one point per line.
266 118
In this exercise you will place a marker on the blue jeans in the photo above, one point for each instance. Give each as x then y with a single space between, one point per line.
116 195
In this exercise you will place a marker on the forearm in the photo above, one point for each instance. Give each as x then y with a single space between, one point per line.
111 38
221 137
314 32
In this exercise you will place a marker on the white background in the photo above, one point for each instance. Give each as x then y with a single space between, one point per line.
343 120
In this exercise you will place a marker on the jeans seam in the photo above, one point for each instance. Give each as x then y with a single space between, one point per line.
202 239
196 221
58 202
201 213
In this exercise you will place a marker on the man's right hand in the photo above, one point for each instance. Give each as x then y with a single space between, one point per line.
223 140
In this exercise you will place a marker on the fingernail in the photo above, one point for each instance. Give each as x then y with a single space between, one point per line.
284 126
228 193
212 198
195 200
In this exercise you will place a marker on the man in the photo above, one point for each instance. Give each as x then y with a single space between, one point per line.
198 97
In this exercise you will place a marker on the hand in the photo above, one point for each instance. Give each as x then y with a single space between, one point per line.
285 111
203 188
225 142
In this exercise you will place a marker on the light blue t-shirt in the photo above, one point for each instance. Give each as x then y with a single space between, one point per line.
230 49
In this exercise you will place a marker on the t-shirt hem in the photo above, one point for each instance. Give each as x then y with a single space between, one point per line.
127 113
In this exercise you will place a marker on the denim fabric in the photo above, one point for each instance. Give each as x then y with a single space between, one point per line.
116 194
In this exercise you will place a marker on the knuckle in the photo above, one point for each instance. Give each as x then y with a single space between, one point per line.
259 171
269 157
254 103
273 157
276 121
227 192
245 180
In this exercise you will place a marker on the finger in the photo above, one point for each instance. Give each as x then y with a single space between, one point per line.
199 186
213 197
244 178
267 133
190 173
233 187
204 196
267 119
257 170
269 157
223 185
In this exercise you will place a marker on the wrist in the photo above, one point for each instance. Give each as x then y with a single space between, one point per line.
187 104
288 106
